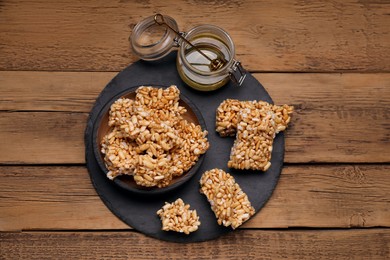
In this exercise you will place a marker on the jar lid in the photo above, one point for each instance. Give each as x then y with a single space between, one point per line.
151 41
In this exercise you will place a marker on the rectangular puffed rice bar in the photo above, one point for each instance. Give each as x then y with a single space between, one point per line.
178 217
227 115
254 139
230 204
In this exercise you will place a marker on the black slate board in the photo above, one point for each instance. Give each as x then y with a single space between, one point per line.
139 211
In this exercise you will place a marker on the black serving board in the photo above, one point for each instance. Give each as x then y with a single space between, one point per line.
140 211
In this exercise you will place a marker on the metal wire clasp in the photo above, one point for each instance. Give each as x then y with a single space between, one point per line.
178 40
237 73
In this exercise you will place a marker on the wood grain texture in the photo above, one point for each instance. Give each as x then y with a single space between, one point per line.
51 91
283 35
38 138
56 57
338 118
306 196
244 244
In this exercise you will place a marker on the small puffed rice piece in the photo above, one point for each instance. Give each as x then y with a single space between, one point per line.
228 201
178 217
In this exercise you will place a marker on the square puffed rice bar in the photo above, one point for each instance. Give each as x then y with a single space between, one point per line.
178 217
228 201
226 116
255 124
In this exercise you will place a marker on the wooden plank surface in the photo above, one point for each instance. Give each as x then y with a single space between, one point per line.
332 198
244 244
37 138
269 35
338 118
57 197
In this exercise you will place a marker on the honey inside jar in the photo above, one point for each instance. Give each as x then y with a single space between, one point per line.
199 62
195 69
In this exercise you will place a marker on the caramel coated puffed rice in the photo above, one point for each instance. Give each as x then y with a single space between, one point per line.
150 139
177 216
230 204
255 124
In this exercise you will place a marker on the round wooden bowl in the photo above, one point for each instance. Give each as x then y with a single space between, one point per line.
127 182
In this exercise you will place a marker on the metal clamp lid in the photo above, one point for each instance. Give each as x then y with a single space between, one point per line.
237 73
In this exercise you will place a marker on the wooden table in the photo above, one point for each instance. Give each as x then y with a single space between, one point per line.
330 59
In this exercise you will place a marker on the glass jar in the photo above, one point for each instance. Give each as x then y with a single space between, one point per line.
151 41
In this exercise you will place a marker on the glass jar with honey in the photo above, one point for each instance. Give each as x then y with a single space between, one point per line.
205 59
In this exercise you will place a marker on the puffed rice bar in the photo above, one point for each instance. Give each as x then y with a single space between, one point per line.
178 217
193 143
254 139
230 204
227 115
120 155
